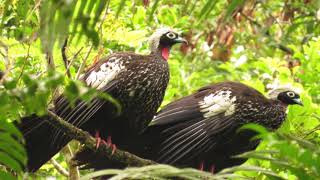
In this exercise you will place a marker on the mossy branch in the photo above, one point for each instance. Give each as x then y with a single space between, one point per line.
122 157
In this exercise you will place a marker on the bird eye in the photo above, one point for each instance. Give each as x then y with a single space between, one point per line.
171 35
291 94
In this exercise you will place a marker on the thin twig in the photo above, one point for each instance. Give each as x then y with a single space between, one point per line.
64 57
250 19
90 49
308 133
119 156
285 48
59 168
50 61
103 19
24 63
73 58
279 46
55 92
74 173
6 59
83 62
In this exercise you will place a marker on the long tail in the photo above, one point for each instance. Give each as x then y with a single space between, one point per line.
38 134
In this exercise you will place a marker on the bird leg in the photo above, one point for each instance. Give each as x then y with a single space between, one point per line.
98 139
201 165
113 146
212 168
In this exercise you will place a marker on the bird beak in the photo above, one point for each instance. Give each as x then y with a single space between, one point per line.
298 101
181 40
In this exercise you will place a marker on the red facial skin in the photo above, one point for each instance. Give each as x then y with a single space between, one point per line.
165 53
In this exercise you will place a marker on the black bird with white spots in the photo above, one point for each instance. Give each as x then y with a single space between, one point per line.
137 81
200 130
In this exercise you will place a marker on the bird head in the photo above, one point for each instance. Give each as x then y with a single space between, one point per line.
287 95
163 39
290 97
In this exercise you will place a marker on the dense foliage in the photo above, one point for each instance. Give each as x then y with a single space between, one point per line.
45 45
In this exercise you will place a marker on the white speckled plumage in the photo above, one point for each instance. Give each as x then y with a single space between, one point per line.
204 126
107 72
138 83
220 102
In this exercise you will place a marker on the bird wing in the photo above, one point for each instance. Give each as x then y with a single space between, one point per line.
105 71
104 76
194 124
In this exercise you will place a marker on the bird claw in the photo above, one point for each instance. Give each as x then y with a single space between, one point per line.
98 139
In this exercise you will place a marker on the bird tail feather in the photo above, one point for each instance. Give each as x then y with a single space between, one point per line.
38 135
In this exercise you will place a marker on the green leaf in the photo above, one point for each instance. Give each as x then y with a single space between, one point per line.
253 168
232 6
153 9
121 5
13 152
10 162
6 175
255 127
207 8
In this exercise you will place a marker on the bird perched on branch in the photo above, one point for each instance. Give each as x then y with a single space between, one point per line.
201 130
137 81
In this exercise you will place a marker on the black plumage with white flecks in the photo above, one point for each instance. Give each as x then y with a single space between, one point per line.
138 82
201 130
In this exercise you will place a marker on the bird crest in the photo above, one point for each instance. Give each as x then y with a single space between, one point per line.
275 90
154 39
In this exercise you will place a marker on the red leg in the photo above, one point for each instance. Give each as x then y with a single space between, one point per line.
108 143
113 146
201 165
98 139
212 168
104 142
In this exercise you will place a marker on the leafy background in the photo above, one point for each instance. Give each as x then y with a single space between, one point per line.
259 43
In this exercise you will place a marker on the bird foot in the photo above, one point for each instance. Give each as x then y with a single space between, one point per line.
107 143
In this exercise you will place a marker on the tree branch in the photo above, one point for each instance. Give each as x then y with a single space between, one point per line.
83 63
59 168
74 173
119 156
50 61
